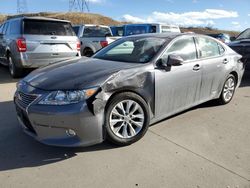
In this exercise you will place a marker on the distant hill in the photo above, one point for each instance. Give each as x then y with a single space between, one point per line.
89 18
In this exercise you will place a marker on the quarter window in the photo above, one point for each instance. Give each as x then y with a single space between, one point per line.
14 27
209 48
184 48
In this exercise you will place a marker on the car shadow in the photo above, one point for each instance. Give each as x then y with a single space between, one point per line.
20 151
5 76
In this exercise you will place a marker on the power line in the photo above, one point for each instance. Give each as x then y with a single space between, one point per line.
22 6
78 5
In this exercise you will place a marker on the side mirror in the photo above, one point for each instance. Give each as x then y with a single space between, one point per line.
232 38
171 60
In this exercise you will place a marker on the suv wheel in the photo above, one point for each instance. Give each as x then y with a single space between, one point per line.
127 119
15 72
87 52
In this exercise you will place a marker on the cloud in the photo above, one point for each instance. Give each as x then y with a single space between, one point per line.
236 24
185 19
96 1
248 14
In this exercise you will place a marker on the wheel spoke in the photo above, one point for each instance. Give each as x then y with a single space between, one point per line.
117 129
137 123
128 106
140 116
116 113
121 107
115 121
132 130
125 131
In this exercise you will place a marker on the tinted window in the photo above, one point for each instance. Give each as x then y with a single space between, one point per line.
165 29
134 30
5 28
132 50
184 48
96 31
15 27
208 47
41 27
76 29
244 35
1 28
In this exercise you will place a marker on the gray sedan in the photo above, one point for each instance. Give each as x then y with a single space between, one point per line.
132 83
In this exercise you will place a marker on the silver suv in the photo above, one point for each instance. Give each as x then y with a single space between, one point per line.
32 42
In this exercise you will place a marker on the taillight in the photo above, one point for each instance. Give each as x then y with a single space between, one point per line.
78 46
104 43
21 45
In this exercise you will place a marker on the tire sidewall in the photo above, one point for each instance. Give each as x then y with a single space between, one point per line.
118 98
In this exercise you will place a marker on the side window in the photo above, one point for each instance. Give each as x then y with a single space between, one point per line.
184 48
1 29
221 49
14 27
208 47
5 28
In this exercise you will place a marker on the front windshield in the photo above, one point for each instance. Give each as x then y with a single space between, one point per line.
244 35
132 50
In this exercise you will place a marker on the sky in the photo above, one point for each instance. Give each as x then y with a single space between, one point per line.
221 14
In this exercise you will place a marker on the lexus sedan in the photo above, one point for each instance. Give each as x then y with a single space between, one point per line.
128 85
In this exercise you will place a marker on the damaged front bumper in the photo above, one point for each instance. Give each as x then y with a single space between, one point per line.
69 126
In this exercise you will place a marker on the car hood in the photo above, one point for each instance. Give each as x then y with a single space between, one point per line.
75 74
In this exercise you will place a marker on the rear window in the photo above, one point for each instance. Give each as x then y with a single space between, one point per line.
135 30
41 27
96 31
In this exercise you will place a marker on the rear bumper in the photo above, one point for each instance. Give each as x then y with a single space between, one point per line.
50 125
25 61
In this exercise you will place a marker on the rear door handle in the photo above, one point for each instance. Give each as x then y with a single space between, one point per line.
196 67
225 61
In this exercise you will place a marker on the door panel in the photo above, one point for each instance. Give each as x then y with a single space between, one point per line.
177 89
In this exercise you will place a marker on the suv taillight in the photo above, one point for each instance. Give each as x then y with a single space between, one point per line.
104 43
78 46
21 45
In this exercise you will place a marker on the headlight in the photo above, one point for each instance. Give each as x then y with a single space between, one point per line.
67 97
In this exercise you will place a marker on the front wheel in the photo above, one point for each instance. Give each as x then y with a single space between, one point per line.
228 90
127 119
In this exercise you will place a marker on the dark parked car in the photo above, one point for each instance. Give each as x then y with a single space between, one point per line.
242 45
32 42
125 87
222 37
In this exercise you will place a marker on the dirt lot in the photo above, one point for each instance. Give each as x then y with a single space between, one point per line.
208 146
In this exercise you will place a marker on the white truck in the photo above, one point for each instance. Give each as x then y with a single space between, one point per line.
93 37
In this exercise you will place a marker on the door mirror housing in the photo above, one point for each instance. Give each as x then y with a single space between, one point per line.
232 38
174 60
171 60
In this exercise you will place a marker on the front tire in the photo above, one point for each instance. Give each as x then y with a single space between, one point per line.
15 72
127 119
228 90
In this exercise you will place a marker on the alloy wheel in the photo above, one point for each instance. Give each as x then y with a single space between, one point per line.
228 90
126 119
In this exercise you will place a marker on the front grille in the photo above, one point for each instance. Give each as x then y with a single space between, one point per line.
25 99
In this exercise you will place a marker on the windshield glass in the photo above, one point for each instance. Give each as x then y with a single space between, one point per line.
131 50
244 35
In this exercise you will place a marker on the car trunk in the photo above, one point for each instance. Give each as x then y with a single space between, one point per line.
49 39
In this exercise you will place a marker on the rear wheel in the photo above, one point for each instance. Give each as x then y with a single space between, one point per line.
228 90
15 72
87 52
127 119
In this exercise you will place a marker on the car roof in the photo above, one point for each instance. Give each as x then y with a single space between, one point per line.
37 18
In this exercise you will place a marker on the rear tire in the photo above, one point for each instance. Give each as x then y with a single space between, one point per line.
87 52
228 90
15 72
127 119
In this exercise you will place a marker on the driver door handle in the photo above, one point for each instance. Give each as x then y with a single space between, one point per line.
197 67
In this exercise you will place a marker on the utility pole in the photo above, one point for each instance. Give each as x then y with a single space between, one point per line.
22 6
78 5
